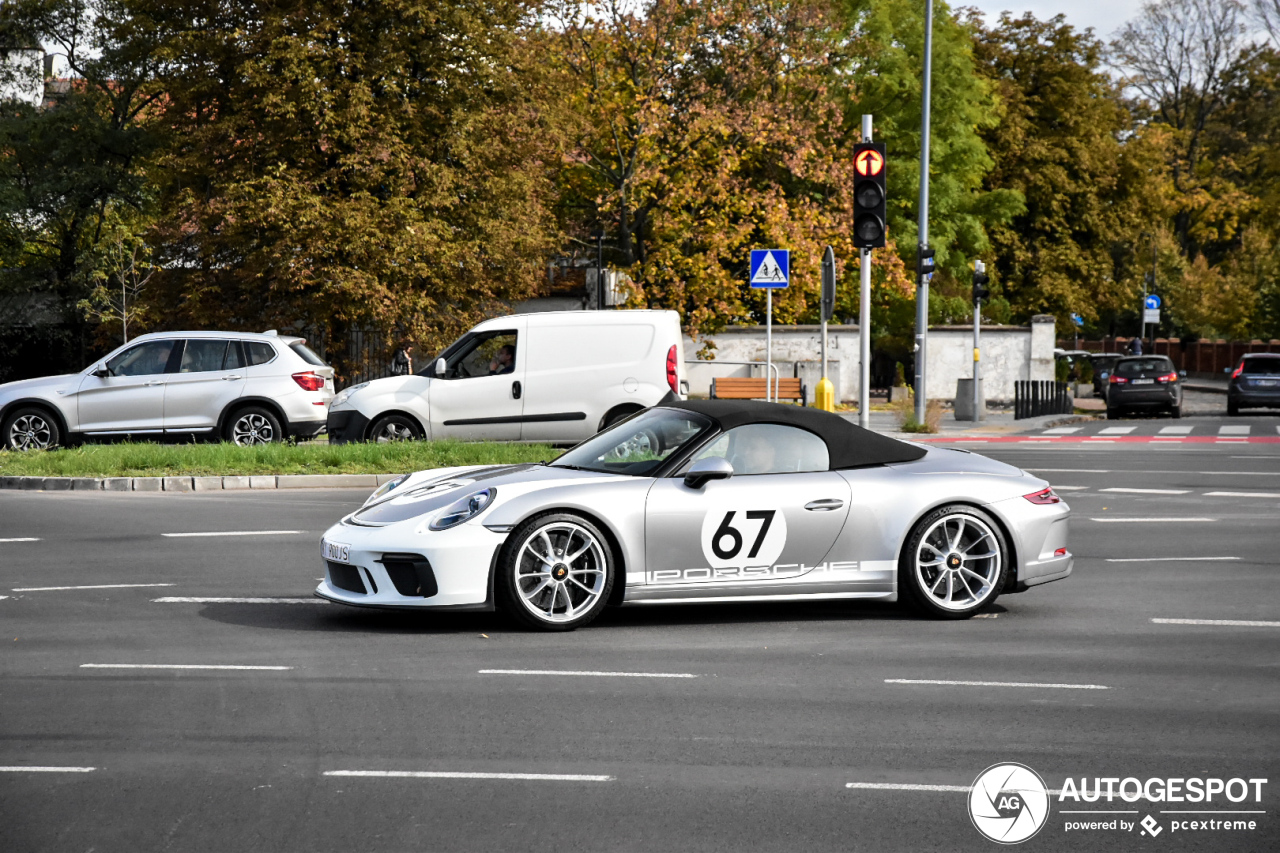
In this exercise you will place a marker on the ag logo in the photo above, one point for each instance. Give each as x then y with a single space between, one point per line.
743 537
1008 803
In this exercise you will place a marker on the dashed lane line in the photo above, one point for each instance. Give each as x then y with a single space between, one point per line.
1169 559
22 539
24 769
1242 494
181 666
1147 491
902 786
1232 623
95 586
451 774
234 533
996 684
175 599
1164 520
589 673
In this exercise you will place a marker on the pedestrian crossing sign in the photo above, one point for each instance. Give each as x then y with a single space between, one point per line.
770 268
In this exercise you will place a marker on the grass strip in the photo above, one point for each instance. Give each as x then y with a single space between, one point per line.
145 459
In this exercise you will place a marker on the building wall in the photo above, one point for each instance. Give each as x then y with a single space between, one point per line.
1009 353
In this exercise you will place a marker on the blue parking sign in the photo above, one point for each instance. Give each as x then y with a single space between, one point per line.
770 268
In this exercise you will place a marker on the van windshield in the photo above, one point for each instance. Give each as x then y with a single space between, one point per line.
639 445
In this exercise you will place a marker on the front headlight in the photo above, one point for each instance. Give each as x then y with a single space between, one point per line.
463 509
385 487
345 394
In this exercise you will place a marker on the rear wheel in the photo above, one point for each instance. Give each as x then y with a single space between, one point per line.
31 428
954 563
1176 411
254 425
556 572
1113 413
389 428
1233 408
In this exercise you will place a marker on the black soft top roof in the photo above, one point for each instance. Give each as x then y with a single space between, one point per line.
849 445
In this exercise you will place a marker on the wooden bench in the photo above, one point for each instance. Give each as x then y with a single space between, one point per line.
756 388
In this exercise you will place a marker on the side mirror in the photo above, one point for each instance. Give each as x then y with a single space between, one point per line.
101 373
441 367
1182 374
711 468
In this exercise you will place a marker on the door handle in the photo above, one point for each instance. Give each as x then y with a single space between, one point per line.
515 390
154 382
824 505
233 376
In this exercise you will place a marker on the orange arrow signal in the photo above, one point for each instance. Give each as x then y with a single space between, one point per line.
869 162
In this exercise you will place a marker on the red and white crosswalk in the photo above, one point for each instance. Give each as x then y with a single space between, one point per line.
1131 434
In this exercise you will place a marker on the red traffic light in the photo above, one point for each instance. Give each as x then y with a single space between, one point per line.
868 162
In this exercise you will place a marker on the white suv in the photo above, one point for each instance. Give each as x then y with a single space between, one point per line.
245 388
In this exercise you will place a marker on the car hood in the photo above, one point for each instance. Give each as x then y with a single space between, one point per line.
428 491
65 382
412 384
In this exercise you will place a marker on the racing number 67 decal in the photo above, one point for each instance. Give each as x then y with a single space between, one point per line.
742 537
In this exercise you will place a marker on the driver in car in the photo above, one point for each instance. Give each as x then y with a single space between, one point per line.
753 453
504 361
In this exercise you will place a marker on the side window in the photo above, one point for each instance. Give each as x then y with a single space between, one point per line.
258 352
491 354
203 356
143 360
235 356
769 449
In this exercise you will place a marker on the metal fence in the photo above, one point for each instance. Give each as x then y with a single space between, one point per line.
1034 398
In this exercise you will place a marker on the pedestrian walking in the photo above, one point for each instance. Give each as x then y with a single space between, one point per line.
402 362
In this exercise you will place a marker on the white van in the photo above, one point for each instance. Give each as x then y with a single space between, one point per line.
560 376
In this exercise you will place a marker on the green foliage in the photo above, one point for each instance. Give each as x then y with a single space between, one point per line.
160 460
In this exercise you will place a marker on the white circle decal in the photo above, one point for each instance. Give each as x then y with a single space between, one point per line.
743 536
1008 803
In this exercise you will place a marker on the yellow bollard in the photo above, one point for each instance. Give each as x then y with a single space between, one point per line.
825 396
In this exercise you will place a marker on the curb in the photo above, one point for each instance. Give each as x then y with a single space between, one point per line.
195 484
1204 389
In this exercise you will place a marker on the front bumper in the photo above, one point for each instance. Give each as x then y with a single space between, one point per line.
306 429
346 426
385 566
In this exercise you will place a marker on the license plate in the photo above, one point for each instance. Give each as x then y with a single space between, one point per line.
335 551
1144 382
1268 382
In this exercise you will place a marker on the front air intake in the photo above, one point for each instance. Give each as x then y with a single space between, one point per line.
411 574
345 577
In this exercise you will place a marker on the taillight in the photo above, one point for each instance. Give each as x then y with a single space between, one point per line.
673 378
1168 377
309 381
1117 380
1061 552
1238 370
1044 496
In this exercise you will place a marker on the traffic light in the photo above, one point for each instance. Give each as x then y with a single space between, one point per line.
980 278
869 195
924 261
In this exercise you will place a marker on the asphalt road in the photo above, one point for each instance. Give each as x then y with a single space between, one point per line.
789 706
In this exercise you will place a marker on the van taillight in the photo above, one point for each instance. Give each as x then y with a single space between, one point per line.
309 381
673 378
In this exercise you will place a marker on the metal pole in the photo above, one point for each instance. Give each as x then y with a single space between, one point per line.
768 346
1153 287
978 267
864 319
824 347
922 290
600 269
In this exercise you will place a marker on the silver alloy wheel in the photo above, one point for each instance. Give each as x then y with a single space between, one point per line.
560 572
958 562
252 428
30 432
393 431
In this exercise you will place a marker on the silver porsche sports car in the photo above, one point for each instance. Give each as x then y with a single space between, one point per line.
704 501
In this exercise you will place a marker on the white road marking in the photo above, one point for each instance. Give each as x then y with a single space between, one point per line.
1175 430
21 539
1242 494
588 673
448 774
1147 520
1234 430
1170 559
1124 430
1062 430
96 586
1070 470
1237 623
996 684
235 533
1069 488
1148 491
179 666
900 786
175 599
21 769
1094 440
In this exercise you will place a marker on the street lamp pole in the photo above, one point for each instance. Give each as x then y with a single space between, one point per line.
599 235
922 288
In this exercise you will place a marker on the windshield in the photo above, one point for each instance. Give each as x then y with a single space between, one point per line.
639 445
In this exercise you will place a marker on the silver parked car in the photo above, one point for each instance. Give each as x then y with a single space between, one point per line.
245 388
704 501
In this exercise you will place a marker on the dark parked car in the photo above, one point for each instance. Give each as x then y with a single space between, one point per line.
1103 364
1255 382
1144 382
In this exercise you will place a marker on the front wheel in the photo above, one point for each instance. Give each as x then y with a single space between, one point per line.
391 428
556 572
31 428
954 562
253 426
